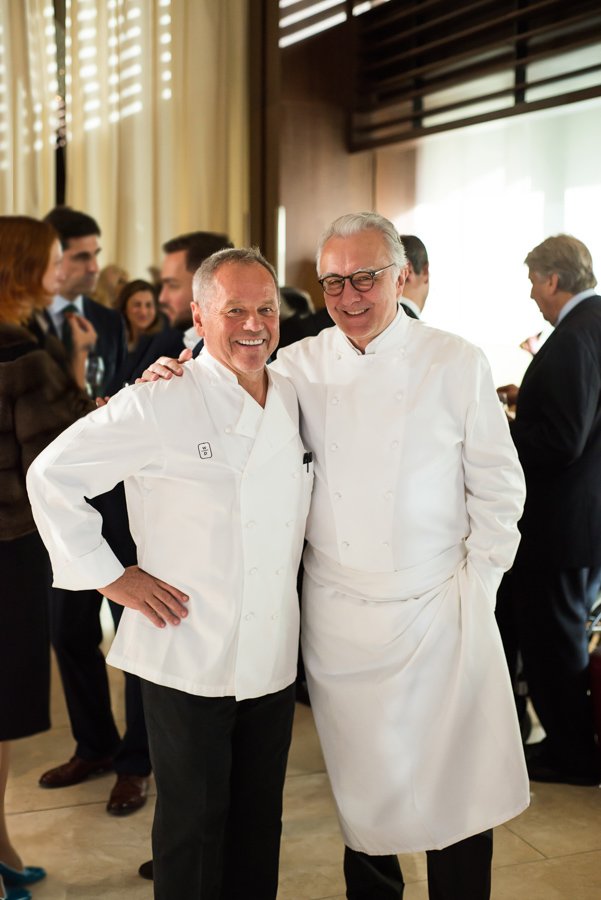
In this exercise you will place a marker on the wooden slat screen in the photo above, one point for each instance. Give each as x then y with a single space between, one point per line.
430 66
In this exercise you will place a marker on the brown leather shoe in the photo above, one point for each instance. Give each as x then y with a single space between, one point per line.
146 870
128 795
74 772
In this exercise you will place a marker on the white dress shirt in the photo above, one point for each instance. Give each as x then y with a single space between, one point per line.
217 494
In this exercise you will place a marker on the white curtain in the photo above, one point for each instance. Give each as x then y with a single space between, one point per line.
485 196
27 107
157 128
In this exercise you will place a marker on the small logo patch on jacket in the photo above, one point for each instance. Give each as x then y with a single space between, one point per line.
205 451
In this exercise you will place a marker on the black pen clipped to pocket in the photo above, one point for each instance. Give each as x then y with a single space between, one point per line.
307 459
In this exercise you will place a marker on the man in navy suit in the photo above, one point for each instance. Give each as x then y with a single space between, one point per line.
184 255
557 572
79 234
74 615
417 284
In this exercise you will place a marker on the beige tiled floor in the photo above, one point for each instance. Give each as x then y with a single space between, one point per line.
550 852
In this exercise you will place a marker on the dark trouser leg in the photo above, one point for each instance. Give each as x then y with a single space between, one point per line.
76 637
196 747
552 608
506 616
260 745
461 871
132 757
372 877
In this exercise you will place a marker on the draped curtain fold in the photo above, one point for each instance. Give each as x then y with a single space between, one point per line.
157 121
28 104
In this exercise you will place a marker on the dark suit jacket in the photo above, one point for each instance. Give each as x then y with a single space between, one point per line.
112 343
409 311
557 433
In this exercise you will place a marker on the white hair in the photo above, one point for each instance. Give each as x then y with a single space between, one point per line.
355 223
202 283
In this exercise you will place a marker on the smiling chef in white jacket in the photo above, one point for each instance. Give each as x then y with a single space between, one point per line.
218 486
413 518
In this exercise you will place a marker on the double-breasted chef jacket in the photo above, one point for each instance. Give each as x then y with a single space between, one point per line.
413 520
217 493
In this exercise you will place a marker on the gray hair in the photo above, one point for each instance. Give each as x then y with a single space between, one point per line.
202 283
566 257
355 223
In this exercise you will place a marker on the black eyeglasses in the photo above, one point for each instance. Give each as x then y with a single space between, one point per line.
333 285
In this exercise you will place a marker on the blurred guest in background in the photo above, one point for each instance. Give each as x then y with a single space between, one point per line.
39 397
417 285
139 307
79 236
75 627
184 255
111 281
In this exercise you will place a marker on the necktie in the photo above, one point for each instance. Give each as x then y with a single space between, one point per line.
66 333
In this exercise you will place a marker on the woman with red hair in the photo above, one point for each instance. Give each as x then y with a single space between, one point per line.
41 393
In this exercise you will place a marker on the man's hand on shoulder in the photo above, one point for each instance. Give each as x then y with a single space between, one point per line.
165 367
157 600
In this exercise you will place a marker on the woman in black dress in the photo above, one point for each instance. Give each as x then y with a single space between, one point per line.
139 306
41 393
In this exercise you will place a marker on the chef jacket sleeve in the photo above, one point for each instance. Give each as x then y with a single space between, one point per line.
494 481
89 458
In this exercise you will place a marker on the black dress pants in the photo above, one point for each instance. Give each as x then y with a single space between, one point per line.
459 872
219 766
551 608
76 636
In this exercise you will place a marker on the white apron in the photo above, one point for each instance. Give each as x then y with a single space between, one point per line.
413 704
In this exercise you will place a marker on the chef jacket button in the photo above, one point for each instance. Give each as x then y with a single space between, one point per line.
334 401
333 446
213 383
385 544
280 572
275 616
295 475
399 395
250 524
290 523
344 545
337 496
388 495
228 429
394 445
249 616
253 571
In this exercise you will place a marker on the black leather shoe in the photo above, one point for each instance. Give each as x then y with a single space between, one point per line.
129 794
74 772
542 769
146 871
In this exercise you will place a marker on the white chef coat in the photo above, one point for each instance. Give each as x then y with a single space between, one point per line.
413 520
217 495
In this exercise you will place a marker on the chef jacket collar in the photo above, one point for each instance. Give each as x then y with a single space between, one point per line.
392 338
251 412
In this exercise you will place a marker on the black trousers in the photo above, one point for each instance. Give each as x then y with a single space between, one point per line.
219 766
550 609
76 636
459 872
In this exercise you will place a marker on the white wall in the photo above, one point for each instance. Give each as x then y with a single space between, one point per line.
485 196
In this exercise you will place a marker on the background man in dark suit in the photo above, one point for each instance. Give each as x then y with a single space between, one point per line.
184 255
74 615
417 285
557 573
79 235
